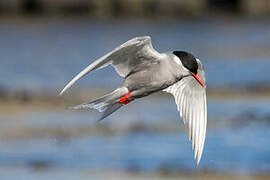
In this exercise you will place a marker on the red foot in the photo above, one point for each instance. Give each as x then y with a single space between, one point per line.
124 99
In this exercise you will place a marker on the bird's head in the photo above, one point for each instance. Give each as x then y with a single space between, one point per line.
190 63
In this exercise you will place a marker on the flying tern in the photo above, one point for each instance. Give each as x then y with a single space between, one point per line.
146 71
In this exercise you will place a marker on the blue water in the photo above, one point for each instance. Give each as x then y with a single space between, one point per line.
42 55
235 142
237 150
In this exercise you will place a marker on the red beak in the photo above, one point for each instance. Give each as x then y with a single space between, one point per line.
198 79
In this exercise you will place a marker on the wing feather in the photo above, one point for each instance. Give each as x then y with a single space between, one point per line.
137 51
190 98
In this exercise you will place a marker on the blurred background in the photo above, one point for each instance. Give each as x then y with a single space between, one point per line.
44 43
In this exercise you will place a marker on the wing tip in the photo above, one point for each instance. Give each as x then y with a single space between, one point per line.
61 93
63 90
199 157
198 161
199 153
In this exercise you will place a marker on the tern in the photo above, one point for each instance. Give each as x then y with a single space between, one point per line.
146 71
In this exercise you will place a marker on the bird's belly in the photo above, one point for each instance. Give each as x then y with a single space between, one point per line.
144 83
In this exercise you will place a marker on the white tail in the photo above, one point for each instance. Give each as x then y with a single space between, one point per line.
107 104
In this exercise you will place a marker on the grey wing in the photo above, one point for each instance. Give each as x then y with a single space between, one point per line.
190 98
124 58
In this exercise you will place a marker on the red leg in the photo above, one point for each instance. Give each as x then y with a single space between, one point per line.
125 99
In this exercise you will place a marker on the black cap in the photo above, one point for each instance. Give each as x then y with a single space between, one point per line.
188 60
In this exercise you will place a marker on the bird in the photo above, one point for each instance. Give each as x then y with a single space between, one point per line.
146 71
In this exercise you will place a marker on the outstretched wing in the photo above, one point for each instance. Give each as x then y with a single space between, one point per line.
137 51
190 98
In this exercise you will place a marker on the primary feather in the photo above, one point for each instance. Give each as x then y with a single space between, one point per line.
190 99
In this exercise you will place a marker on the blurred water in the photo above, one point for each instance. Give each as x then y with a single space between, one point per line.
235 142
225 151
43 55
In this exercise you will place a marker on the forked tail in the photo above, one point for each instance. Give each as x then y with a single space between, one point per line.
106 104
